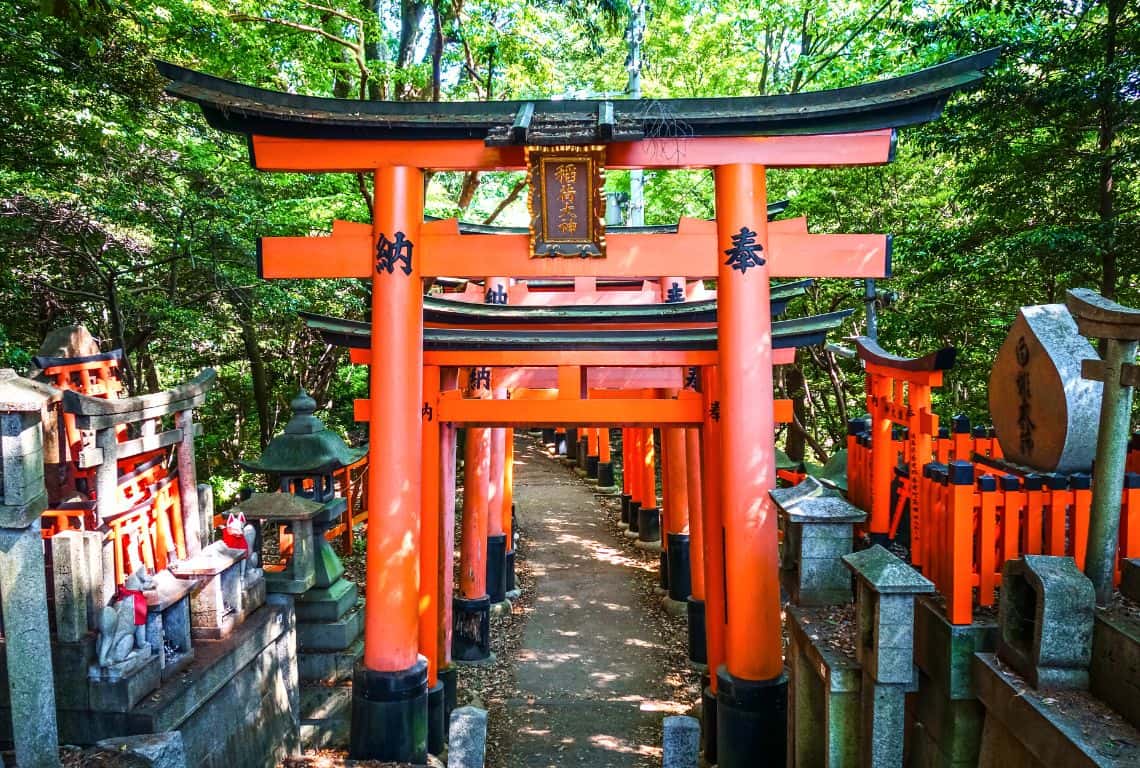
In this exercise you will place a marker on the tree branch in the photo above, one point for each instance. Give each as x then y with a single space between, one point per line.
510 198
296 25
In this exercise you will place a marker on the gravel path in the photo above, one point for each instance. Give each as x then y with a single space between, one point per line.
591 672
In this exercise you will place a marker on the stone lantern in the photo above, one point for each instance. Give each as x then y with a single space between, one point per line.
303 460
304 457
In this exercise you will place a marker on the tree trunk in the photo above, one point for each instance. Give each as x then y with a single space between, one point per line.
1106 99
260 381
794 386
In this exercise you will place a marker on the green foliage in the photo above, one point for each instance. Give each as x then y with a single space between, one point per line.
122 210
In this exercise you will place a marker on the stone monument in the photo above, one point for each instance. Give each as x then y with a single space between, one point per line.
1040 405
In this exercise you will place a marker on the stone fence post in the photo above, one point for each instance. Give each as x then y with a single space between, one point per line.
818 527
884 610
23 591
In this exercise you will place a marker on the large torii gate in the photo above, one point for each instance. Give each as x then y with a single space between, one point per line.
738 138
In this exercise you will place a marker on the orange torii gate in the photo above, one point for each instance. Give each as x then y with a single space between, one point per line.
738 138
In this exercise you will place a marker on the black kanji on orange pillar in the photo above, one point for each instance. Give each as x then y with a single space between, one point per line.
389 253
745 251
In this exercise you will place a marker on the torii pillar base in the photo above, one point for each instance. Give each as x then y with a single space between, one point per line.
497 567
437 718
390 714
698 644
751 720
606 480
471 630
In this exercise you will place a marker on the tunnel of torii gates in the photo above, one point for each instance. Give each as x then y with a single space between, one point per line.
611 366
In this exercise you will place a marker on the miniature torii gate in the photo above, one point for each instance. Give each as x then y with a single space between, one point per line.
738 138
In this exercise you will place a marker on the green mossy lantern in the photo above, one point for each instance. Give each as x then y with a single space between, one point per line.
304 459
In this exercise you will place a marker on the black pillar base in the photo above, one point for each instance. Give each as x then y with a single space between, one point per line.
512 582
708 722
571 448
649 524
680 577
437 719
698 645
634 515
560 444
606 474
751 720
583 450
548 437
592 466
625 499
471 629
449 676
663 570
497 568
390 714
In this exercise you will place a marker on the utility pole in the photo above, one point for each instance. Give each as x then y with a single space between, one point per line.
635 34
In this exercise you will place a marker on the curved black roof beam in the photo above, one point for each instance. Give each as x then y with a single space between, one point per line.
869 351
800 332
437 310
892 103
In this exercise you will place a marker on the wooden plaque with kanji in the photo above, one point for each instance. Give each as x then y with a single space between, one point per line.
567 206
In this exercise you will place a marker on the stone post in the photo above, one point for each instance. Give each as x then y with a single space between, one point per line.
1119 327
192 524
23 592
884 610
818 530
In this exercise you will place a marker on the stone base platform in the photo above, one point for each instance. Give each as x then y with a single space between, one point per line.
326 715
330 667
1115 672
1039 730
236 703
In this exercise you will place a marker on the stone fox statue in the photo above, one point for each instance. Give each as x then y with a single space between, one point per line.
238 534
122 624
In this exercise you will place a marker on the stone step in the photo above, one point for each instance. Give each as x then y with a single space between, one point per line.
330 635
326 604
325 716
329 667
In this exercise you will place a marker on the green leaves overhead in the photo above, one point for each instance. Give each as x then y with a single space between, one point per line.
122 210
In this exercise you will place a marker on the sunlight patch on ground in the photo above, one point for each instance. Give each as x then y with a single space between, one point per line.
665 707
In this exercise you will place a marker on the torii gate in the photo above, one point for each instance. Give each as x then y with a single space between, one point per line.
739 138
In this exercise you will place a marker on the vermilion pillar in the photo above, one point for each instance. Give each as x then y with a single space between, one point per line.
593 452
509 511
430 556
496 532
752 688
696 602
626 487
676 490
389 704
649 514
636 475
448 674
712 529
471 633
605 462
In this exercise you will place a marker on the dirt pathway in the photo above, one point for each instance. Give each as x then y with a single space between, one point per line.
590 674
